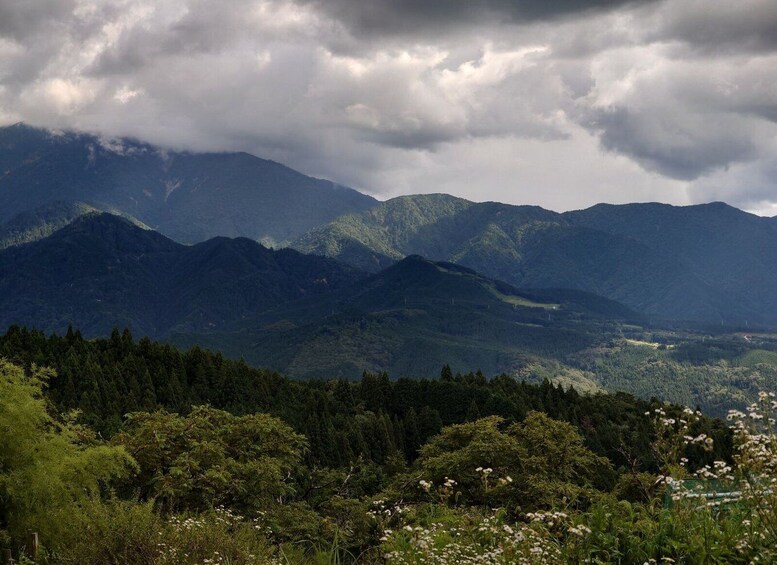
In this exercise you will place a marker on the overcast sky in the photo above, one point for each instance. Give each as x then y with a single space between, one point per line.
557 103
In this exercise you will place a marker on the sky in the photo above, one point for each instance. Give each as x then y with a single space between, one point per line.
561 104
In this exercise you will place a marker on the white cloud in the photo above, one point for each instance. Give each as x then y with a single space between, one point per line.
59 97
125 94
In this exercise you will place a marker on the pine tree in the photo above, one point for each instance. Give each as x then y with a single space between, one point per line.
473 412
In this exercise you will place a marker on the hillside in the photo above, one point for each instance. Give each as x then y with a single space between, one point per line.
730 249
313 317
41 222
230 464
708 263
103 271
186 196
415 316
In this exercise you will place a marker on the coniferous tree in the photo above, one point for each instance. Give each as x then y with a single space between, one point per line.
473 412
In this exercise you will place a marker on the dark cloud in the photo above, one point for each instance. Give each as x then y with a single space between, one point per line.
719 27
676 146
21 19
387 17
684 118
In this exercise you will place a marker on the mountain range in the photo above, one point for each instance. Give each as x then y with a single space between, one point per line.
709 262
303 314
415 316
645 298
189 197
102 271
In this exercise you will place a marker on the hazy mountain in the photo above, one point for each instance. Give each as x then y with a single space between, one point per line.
103 271
727 248
189 197
708 262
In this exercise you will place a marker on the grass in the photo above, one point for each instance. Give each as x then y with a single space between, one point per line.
516 300
638 343
513 299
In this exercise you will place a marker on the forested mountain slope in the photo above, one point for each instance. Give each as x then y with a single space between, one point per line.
729 249
103 271
708 263
305 314
109 377
41 222
411 318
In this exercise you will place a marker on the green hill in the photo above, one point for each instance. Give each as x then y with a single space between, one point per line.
43 221
307 315
311 316
731 250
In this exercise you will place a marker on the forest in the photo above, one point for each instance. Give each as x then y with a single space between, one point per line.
130 451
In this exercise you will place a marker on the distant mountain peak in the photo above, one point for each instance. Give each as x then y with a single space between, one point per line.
188 196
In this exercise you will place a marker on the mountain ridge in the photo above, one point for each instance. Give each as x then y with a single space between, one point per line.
699 268
187 196
414 316
102 271
710 263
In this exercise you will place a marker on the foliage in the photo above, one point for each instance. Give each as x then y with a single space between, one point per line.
47 467
116 532
520 466
456 469
211 458
370 420
708 372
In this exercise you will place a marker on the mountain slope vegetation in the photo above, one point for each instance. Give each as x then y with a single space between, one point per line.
707 263
307 315
458 469
41 222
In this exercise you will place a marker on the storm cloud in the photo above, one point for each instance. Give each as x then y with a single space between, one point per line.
387 17
561 104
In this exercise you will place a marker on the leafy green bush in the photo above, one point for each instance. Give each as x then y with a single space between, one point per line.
211 458
526 465
47 466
